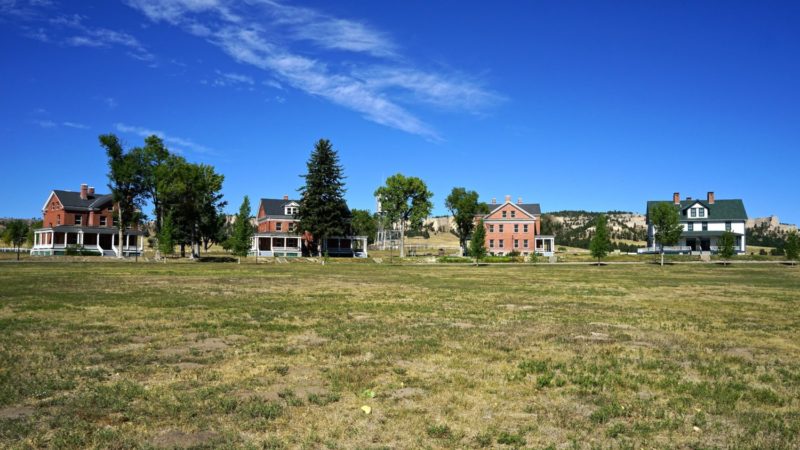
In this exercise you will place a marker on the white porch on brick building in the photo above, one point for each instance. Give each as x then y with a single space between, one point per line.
102 241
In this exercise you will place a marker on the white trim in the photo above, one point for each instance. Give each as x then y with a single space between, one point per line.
52 193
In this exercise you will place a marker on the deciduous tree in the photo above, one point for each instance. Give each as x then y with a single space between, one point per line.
15 234
477 243
126 181
792 247
667 223
364 223
405 200
464 206
600 244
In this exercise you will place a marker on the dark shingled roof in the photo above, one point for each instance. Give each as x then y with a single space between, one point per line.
73 200
721 209
273 207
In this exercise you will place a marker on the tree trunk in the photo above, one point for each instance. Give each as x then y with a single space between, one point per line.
183 250
402 238
18 253
662 257
121 225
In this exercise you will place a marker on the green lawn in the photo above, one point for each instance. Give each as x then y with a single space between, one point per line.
119 355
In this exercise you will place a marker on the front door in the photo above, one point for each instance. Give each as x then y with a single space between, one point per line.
692 244
705 244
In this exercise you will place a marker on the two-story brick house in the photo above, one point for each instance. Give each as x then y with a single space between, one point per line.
277 233
704 222
83 219
515 227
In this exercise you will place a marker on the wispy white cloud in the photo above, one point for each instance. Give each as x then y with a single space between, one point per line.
263 34
82 35
231 79
179 144
77 125
46 123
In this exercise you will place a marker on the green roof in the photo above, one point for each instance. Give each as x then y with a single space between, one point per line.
720 210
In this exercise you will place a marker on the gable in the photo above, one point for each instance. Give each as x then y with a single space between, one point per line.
509 209
720 210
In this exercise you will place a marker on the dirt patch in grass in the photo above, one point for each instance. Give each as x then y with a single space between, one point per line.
181 439
309 339
16 412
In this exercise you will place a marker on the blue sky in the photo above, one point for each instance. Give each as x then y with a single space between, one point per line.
575 105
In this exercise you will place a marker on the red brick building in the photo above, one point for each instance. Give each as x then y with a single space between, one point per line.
83 220
515 227
277 233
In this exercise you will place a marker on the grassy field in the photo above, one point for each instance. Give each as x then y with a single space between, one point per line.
119 355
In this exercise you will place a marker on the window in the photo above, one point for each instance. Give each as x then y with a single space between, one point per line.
513 214
501 243
516 228
491 228
690 226
58 219
78 219
103 221
694 212
115 221
290 210
525 243
525 228
491 243
504 214
727 226
705 226
292 228
278 226
516 243
501 227
701 212
110 208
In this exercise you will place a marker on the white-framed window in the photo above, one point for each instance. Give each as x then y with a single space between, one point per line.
516 243
690 226
516 228
728 226
693 212
500 227
504 214
491 243
290 210
525 243
278 226
705 226
513 214
115 221
701 212
491 228
78 219
525 228
103 221
500 242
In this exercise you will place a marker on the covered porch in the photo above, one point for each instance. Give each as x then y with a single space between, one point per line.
285 245
86 240
544 245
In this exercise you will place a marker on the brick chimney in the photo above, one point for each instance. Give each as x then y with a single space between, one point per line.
494 201
84 191
286 197
91 191
519 200
676 198
508 199
710 198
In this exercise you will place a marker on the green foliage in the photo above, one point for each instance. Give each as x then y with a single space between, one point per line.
127 182
364 223
405 200
600 244
666 220
323 211
792 247
166 236
574 229
726 245
512 439
242 230
464 206
477 244
16 233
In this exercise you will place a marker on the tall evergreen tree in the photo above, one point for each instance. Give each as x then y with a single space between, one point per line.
477 243
726 245
404 200
464 206
667 222
323 211
240 241
600 244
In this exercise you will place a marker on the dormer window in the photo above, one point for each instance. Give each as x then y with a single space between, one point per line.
701 212
694 212
291 209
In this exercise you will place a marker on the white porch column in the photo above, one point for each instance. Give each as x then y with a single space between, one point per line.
127 242
80 237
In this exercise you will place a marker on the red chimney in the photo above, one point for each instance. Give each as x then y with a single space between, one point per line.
494 201
508 199
710 198
91 190
676 198
286 197
84 191
519 200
